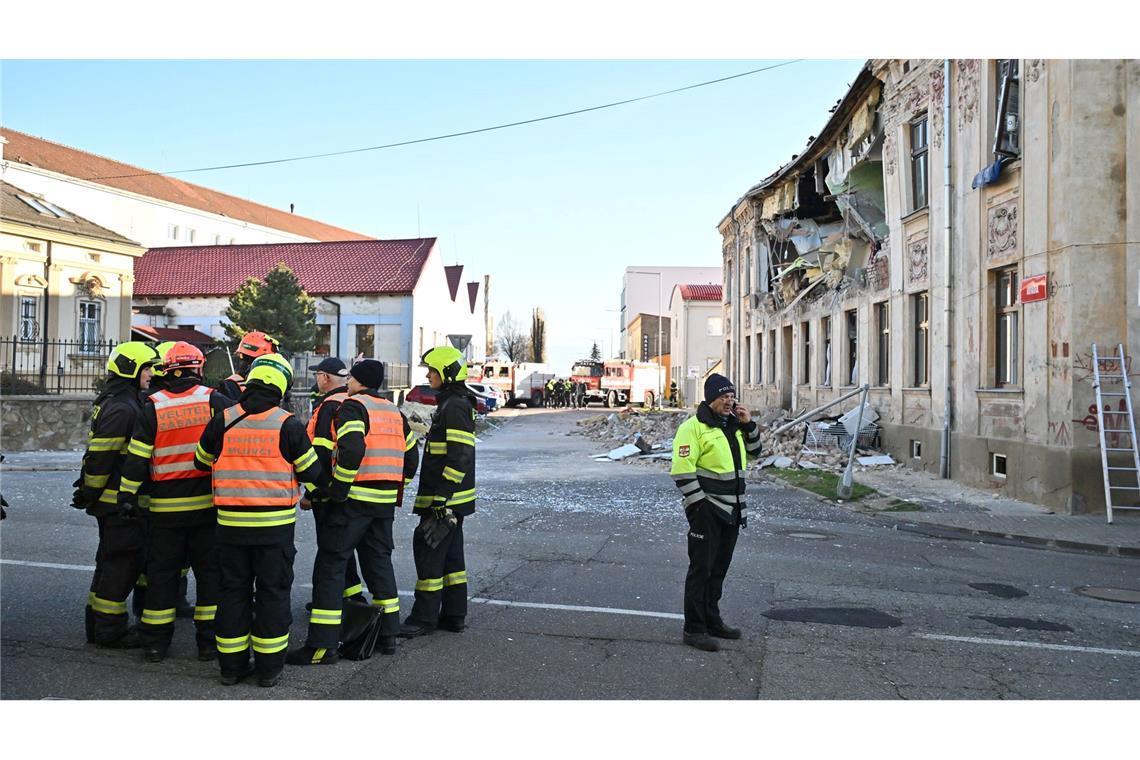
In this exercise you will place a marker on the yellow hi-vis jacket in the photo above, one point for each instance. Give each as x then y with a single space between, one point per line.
709 457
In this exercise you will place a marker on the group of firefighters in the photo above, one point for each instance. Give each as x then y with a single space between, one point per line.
181 476
565 394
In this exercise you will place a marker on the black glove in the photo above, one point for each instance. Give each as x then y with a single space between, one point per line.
435 526
129 506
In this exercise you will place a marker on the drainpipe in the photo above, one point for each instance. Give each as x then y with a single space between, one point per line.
326 299
947 268
47 317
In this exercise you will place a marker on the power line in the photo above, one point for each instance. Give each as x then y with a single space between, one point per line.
454 134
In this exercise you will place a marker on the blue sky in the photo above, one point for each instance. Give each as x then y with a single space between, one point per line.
552 211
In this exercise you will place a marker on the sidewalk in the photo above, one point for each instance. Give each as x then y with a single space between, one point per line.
42 461
953 510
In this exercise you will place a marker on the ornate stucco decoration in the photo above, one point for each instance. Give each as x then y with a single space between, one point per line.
1034 67
31 281
89 284
1002 234
917 260
937 92
967 92
890 152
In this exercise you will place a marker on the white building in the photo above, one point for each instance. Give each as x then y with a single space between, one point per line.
698 330
646 290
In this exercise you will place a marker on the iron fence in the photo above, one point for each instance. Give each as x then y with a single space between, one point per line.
32 367
396 376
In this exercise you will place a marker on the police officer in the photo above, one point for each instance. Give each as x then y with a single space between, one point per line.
446 496
710 452
258 452
160 459
122 532
253 344
376 455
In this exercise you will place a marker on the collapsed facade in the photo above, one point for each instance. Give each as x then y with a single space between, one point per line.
957 236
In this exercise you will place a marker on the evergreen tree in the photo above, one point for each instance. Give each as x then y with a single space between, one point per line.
595 353
278 306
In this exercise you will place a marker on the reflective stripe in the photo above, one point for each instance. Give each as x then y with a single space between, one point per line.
388 606
684 475
701 472
167 468
352 426
424 501
266 494
353 590
324 617
140 449
157 617
454 579
203 456
107 444
256 519
728 508
232 646
455 476
96 481
279 476
126 485
109 496
460 436
437 447
691 487
205 613
184 572
141 581
106 606
372 495
410 442
306 460
270 646
344 475
461 497
319 654
726 499
429 584
408 481
693 498
323 443
181 503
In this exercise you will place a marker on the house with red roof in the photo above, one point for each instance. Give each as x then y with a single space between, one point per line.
698 328
390 300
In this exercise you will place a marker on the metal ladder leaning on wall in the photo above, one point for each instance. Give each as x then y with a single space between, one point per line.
1121 376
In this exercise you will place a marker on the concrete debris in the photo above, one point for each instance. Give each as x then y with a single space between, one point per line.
878 459
783 463
624 452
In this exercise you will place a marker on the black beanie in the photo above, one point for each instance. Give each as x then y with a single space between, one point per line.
716 386
369 373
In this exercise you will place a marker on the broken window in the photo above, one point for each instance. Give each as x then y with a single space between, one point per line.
772 357
921 311
1007 130
728 282
883 330
919 154
747 360
825 339
805 339
365 340
1007 313
852 318
747 274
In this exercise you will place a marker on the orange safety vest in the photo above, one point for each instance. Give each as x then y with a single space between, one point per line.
384 442
311 428
235 377
181 419
250 471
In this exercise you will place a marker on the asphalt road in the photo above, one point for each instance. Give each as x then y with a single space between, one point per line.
576 570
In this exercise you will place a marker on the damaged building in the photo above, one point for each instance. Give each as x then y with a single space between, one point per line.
957 236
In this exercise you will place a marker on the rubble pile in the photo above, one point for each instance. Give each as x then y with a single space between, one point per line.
419 418
625 424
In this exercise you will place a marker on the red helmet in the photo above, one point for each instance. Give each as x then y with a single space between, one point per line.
256 344
183 355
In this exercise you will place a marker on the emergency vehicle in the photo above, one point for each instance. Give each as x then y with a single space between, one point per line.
589 373
522 383
629 382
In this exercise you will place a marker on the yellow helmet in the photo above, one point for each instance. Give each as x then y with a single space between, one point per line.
448 362
161 349
129 358
269 375
278 361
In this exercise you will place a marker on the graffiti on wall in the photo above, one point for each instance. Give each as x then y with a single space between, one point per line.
1083 367
1059 433
1113 419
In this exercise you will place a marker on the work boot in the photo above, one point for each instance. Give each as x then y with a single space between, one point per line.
701 641
207 652
722 631
153 653
269 680
229 678
129 640
410 630
386 644
455 625
312 656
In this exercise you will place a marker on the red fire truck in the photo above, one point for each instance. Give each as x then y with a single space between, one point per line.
629 382
520 383
589 373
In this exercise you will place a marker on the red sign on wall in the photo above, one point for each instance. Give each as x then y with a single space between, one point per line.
1034 289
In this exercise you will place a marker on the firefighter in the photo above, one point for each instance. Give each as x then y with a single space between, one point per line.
710 452
673 392
548 397
257 452
331 376
559 393
182 517
446 496
122 532
376 456
253 344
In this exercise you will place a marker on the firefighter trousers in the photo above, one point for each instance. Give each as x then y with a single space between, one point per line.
118 563
441 585
367 529
352 583
241 623
169 549
711 544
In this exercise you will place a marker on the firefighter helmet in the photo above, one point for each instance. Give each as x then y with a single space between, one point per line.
129 358
448 362
161 350
255 344
268 374
278 361
183 355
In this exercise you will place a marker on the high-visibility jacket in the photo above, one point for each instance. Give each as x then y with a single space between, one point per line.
447 478
322 438
254 485
710 453
181 418
376 450
112 420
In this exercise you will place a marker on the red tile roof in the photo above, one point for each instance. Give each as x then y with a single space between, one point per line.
44 154
162 334
700 292
351 266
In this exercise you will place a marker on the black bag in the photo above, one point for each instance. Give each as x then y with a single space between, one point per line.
359 629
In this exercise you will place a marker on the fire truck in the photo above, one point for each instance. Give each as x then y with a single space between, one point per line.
520 383
629 382
589 373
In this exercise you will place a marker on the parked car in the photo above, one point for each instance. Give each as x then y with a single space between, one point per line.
492 395
424 394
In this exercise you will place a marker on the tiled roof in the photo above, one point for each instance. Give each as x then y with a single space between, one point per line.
162 334
700 292
13 209
44 154
351 266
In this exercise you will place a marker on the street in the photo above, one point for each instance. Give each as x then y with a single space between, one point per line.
576 570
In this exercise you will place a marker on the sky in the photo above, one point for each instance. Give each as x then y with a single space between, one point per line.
553 212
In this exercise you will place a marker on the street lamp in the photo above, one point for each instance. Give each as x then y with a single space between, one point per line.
657 398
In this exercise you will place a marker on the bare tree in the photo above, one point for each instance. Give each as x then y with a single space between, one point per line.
511 341
538 336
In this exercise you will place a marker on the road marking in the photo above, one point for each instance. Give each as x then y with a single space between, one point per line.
51 565
1028 644
577 608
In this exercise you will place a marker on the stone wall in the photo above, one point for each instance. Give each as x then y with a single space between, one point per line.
52 423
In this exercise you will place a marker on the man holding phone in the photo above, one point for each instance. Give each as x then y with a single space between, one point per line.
710 452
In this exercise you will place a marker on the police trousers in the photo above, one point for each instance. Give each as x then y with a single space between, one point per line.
366 529
170 549
243 624
118 564
711 544
441 585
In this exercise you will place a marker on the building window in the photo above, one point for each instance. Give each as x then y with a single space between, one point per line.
919 178
714 327
29 317
805 353
760 358
40 206
747 275
728 282
728 358
852 365
920 307
172 231
190 234
883 331
772 357
324 340
217 239
365 339
90 325
747 359
1007 329
1007 127
825 339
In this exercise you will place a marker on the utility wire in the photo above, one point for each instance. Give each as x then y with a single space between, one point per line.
454 134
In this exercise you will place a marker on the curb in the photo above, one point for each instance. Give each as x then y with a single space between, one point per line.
1010 539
